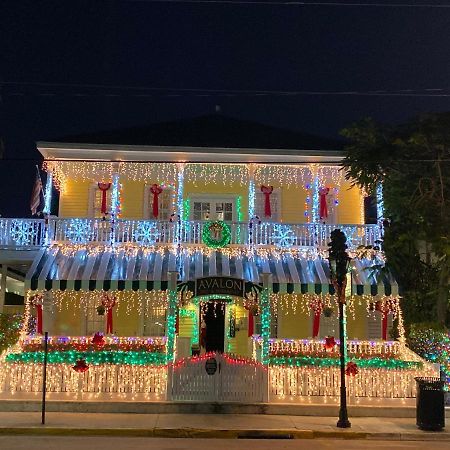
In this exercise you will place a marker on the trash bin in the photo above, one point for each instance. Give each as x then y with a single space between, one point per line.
430 412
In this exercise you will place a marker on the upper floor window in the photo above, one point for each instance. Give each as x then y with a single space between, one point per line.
275 205
99 200
165 203
207 207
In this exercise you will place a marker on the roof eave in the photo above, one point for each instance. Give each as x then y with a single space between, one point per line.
151 153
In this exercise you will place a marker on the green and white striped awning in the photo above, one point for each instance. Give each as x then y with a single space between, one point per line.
84 270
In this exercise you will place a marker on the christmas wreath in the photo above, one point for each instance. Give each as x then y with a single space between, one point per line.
216 234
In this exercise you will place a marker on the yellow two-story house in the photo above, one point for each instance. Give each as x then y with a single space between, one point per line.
205 235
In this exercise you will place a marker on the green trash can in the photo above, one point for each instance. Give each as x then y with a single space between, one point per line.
430 411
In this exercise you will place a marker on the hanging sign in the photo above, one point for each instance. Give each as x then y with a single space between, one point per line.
219 285
211 366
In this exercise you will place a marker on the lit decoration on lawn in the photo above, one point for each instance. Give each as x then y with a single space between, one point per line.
23 232
79 231
146 233
216 234
283 236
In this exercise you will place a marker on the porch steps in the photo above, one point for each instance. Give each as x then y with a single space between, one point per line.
395 409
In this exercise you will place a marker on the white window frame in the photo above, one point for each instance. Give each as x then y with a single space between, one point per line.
91 318
213 198
375 325
164 212
329 326
150 320
92 209
275 205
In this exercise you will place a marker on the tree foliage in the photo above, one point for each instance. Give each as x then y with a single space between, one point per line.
10 325
412 161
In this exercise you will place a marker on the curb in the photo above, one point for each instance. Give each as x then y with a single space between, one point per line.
202 433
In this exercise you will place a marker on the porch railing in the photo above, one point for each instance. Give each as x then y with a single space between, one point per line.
35 232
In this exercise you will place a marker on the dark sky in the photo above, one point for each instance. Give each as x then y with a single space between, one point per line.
52 53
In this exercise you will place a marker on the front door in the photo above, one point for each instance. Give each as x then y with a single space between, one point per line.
214 318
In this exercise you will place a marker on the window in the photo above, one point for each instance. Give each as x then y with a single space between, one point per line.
95 201
207 208
154 321
275 205
165 204
94 322
329 326
374 325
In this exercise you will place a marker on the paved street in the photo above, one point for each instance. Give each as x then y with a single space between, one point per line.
137 443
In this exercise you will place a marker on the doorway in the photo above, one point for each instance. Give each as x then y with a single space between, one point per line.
214 318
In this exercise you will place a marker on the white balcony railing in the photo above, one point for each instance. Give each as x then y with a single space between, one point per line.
35 232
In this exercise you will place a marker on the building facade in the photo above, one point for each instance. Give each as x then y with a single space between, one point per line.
166 260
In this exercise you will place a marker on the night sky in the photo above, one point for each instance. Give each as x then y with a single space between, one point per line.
89 65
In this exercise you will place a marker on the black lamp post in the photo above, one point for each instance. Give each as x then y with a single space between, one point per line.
339 262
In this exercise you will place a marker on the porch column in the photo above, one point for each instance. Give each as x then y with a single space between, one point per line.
3 287
115 204
251 191
48 193
315 193
171 315
380 203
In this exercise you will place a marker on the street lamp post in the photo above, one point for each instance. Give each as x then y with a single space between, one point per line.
339 262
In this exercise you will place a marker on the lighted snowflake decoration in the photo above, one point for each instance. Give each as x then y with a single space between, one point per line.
78 231
23 232
146 233
283 236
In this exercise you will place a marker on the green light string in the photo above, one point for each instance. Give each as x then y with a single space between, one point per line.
171 323
265 325
194 317
366 363
211 242
99 357
186 209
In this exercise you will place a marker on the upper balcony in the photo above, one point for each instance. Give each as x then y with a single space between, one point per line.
34 233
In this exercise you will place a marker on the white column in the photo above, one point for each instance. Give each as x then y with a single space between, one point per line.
48 193
380 203
3 286
251 191
114 207
315 193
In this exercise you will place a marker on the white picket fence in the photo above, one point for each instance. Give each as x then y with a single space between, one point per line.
103 381
234 380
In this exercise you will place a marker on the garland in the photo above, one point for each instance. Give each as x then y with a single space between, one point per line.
367 363
134 358
212 231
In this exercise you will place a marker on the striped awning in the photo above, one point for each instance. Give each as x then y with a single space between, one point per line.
142 270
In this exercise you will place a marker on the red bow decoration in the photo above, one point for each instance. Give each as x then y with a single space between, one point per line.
109 303
267 190
80 366
37 301
351 369
252 312
317 308
384 308
323 208
330 343
155 190
104 187
98 339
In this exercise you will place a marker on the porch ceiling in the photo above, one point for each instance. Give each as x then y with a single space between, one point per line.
84 269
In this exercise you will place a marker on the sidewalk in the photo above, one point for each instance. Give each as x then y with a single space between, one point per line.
232 426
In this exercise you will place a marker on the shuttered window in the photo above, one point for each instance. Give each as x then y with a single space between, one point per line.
165 204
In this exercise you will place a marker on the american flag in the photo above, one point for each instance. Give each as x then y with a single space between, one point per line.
36 194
